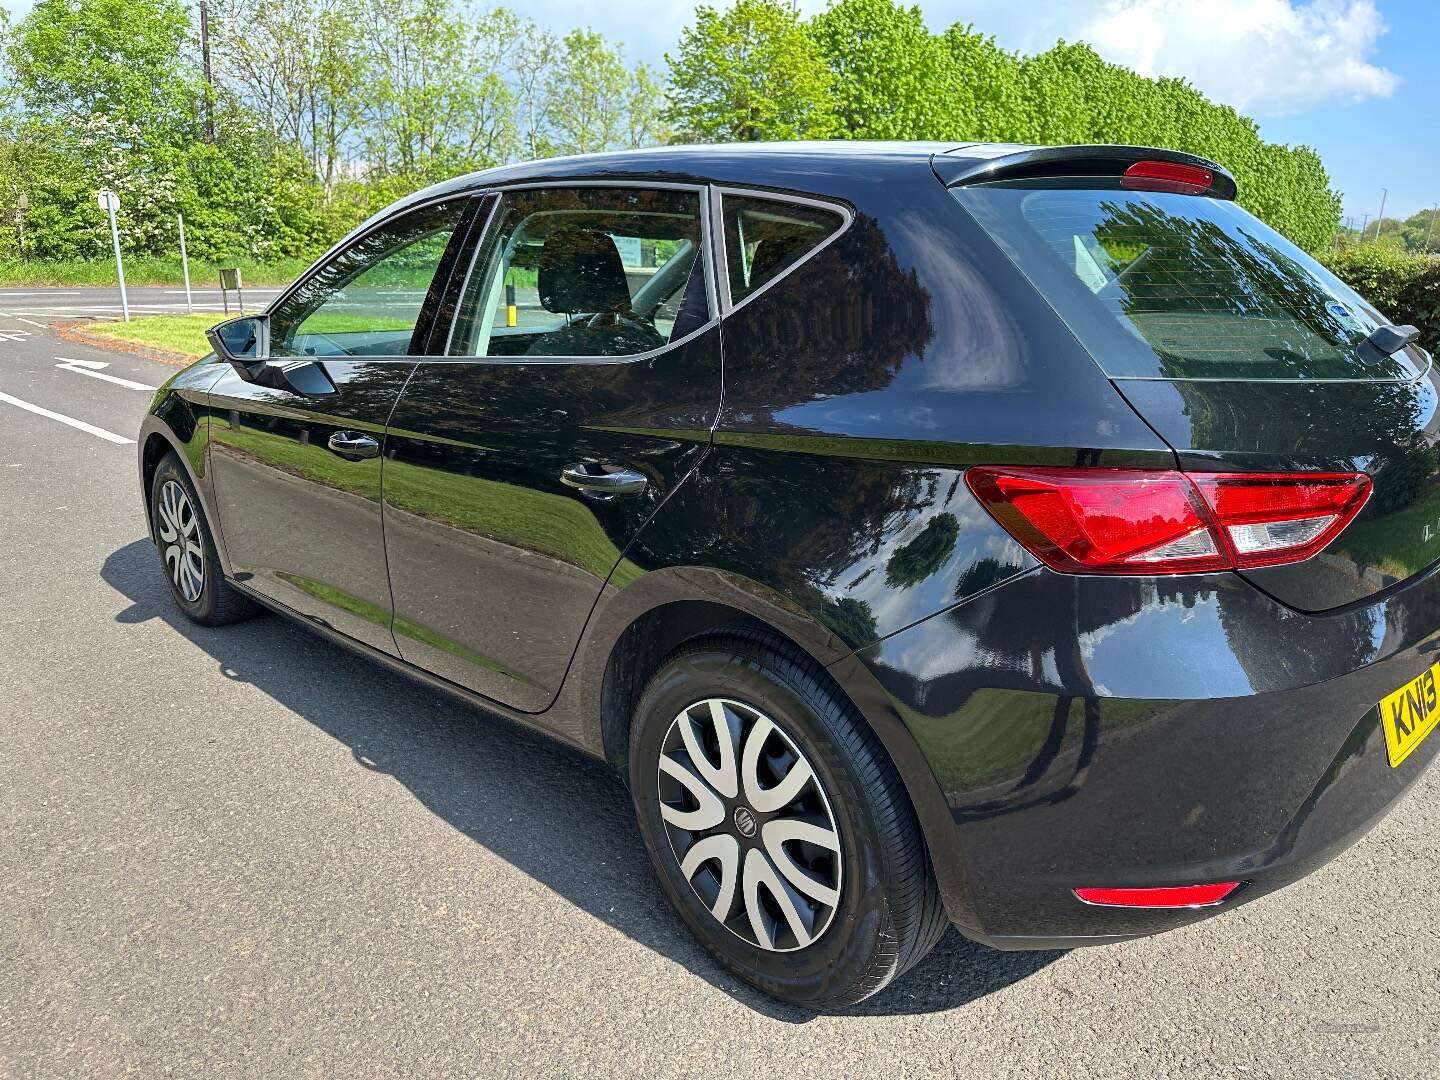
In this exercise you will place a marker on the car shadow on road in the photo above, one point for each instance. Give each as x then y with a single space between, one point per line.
523 796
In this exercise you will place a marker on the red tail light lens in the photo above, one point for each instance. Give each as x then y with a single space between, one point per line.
1180 896
1168 176
1132 521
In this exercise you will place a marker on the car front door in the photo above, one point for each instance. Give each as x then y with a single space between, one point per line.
581 386
297 476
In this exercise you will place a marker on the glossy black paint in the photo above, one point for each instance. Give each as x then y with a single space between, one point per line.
806 457
1386 429
302 523
1151 732
494 562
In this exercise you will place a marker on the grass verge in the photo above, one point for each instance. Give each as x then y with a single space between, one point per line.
203 275
181 336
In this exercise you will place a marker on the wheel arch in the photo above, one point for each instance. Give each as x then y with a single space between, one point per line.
157 438
653 618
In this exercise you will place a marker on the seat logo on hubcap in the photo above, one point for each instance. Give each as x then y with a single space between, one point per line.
745 822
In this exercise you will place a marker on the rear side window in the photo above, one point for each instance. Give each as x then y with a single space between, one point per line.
766 237
1169 286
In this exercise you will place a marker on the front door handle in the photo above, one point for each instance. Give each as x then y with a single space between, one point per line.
603 479
354 445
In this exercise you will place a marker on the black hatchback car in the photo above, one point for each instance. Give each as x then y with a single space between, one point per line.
1021 538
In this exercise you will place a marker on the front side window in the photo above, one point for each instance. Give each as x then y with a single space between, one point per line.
585 271
1170 286
766 237
367 300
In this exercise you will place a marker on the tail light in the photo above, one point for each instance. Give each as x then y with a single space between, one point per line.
1132 521
1168 176
1175 896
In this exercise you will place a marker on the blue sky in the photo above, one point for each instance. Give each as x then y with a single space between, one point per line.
1356 79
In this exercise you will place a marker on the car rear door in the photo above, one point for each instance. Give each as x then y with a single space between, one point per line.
581 388
297 477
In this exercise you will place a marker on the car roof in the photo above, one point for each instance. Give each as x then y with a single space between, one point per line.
800 166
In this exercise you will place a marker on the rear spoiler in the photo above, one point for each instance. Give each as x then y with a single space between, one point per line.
1070 161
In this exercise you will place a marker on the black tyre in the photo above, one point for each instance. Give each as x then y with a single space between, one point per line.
778 826
187 550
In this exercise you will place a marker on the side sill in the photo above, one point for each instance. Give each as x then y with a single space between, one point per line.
394 663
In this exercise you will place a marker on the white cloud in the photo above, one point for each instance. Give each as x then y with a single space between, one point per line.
1268 57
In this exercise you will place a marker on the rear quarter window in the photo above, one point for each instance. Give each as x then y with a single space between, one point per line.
1169 286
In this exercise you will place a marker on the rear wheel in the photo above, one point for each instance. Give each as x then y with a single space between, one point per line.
777 824
187 551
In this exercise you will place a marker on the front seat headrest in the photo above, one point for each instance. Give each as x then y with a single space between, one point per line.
580 271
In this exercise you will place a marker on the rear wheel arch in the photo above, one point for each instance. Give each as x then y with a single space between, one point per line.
643 646
658 631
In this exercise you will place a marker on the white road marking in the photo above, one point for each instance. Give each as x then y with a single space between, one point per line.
87 367
32 322
14 335
79 425
94 365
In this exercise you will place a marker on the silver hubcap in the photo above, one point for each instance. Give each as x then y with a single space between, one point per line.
750 825
180 543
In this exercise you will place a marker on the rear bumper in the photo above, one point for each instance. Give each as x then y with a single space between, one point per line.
1089 731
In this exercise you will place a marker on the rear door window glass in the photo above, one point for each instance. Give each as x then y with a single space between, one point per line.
1160 285
589 271
766 237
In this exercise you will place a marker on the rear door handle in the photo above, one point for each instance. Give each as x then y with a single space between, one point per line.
354 445
603 479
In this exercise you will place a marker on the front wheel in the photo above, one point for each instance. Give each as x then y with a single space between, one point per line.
187 551
778 825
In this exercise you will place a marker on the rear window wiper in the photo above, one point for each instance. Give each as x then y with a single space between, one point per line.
1386 341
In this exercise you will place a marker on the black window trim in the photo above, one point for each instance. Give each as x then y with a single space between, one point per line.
707 243
722 264
454 248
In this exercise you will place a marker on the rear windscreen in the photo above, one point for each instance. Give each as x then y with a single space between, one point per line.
1159 285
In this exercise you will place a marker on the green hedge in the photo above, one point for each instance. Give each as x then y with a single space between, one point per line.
872 69
1406 287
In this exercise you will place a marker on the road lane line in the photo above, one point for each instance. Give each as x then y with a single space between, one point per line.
85 368
79 425
32 322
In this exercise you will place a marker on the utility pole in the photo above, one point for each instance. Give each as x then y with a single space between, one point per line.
209 77
1384 191
1430 233
1364 224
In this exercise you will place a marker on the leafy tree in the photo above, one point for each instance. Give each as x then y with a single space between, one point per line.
589 77
535 60
751 72
436 101
892 78
120 60
645 110
301 66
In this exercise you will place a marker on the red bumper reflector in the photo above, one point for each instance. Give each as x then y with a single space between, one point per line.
1178 896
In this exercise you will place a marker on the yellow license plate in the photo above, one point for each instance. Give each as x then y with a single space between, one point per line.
1409 714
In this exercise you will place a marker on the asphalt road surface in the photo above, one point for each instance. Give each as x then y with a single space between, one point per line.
247 852
51 305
